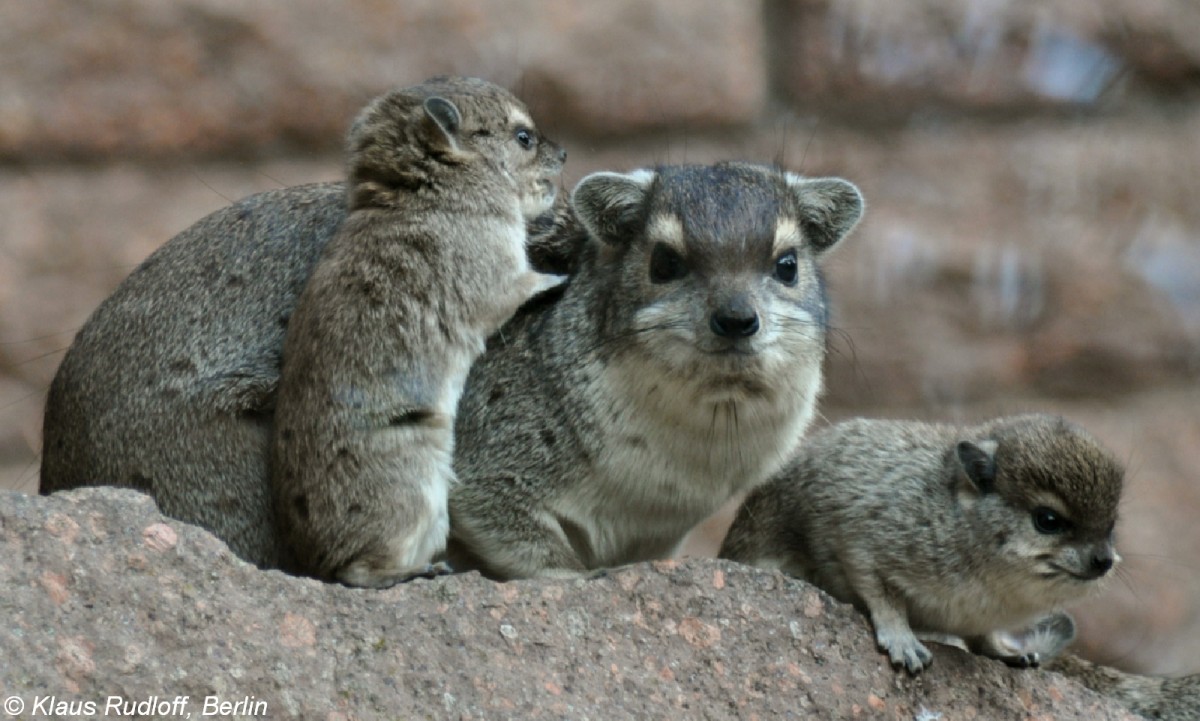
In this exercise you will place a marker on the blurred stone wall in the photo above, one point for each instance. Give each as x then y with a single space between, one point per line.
1031 242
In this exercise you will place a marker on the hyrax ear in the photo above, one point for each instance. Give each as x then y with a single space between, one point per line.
609 205
829 208
441 123
978 461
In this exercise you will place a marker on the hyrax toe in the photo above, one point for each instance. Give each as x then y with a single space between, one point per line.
905 651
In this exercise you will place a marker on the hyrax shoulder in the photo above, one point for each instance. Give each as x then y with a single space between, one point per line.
942 529
441 180
679 367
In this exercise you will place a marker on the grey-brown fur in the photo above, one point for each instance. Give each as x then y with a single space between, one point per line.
931 528
598 429
170 386
528 427
442 178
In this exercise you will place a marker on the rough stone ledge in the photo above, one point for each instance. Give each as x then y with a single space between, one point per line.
106 597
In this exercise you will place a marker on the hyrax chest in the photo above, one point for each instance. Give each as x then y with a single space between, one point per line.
669 450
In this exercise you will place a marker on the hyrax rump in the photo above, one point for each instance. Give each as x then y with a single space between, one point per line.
170 386
430 260
679 365
939 529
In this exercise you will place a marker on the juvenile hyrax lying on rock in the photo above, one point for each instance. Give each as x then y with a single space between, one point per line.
940 529
430 260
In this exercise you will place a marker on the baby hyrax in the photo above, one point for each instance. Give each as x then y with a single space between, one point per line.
430 260
941 529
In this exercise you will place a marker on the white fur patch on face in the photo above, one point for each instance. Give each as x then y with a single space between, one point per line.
666 228
519 118
787 235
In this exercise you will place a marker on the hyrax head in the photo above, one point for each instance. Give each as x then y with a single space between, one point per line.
401 138
1044 493
710 272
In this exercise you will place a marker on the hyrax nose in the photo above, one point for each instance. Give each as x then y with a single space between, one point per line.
736 319
1102 562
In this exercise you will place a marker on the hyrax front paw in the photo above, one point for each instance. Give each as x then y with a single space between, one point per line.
904 650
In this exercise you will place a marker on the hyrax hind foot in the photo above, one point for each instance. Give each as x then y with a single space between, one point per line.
1028 647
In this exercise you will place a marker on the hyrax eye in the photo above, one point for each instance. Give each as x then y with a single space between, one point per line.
1049 522
526 138
666 264
787 268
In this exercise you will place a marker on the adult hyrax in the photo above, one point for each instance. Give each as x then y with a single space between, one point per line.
170 387
942 529
441 180
678 367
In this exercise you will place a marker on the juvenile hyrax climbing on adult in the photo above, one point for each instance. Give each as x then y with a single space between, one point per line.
441 180
941 529
678 367
170 387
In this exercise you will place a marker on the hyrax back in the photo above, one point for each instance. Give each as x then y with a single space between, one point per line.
430 260
678 368
946 530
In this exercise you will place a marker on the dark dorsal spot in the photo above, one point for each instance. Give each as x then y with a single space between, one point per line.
300 506
412 417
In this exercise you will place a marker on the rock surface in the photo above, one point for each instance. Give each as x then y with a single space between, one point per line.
106 598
